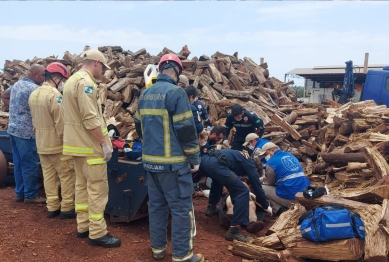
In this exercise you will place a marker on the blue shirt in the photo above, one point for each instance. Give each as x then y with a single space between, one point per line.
20 121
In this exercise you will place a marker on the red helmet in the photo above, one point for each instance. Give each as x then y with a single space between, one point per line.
170 58
56 67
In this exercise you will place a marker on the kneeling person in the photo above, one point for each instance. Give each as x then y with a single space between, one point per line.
284 177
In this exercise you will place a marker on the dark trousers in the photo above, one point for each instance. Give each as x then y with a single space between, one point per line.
222 176
237 144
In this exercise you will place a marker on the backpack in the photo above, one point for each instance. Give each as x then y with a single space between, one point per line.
331 222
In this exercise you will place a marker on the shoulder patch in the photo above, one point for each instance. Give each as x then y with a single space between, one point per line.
59 99
258 121
88 89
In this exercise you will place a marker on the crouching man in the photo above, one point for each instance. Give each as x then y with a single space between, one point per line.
284 177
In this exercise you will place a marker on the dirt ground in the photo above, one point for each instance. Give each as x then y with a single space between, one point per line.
27 235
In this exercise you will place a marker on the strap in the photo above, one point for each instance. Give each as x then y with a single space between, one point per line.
221 157
304 216
355 225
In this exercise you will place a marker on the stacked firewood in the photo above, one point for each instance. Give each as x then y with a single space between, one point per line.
346 148
219 78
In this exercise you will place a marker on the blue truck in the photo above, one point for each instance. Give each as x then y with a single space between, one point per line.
376 86
127 199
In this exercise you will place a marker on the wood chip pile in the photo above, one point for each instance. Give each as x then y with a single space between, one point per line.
346 148
218 77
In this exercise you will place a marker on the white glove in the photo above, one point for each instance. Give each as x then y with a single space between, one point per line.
195 168
225 142
252 196
269 210
107 152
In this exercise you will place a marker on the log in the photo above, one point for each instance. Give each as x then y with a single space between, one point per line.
286 127
215 73
133 106
372 194
257 109
139 53
335 158
351 167
360 125
287 256
384 219
114 96
377 162
272 241
287 219
306 111
236 94
122 83
308 169
254 252
291 117
127 94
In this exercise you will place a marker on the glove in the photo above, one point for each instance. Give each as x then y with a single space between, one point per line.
252 196
195 168
225 142
269 211
107 152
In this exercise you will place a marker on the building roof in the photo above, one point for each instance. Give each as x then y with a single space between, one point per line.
332 73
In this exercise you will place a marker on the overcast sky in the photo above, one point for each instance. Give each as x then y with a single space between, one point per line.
287 34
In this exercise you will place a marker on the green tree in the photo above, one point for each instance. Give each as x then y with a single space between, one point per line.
299 91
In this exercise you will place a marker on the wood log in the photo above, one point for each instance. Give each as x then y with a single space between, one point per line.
372 194
254 252
139 53
272 241
384 219
133 106
360 125
286 127
377 162
375 239
257 109
306 111
215 73
308 169
114 96
287 256
116 107
236 94
335 158
287 219
122 83
291 117
351 167
127 94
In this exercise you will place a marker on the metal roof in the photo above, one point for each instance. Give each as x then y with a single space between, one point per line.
332 73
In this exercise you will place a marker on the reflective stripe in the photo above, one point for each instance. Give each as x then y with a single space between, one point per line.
339 225
242 125
49 149
164 159
306 230
66 158
299 174
96 217
158 250
105 131
166 126
182 116
361 228
81 207
78 150
192 150
68 201
189 255
52 197
95 161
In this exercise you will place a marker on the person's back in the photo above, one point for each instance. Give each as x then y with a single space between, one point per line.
192 94
203 113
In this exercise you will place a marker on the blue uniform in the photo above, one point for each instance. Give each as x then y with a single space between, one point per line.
197 119
289 174
202 112
165 122
228 176
250 123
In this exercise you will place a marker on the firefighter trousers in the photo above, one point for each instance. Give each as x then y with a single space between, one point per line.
58 171
91 195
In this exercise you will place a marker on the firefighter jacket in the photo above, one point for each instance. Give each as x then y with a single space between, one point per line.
82 112
250 123
165 122
47 118
289 174
197 119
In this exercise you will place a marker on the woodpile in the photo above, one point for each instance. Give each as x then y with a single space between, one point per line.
222 80
345 147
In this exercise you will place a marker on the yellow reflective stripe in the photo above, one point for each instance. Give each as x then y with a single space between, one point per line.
164 159
96 217
182 116
95 161
67 201
81 207
46 148
78 150
66 158
166 126
105 131
192 150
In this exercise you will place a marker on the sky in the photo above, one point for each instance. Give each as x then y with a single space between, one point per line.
288 34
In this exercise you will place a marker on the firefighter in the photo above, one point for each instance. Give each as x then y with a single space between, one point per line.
164 121
191 92
284 177
47 118
245 122
86 139
224 166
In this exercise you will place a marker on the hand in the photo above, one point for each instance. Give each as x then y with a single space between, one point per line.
195 168
107 152
252 196
269 211
225 142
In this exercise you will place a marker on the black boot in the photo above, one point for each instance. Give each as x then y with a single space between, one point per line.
68 214
105 241
235 233
51 214
211 210
83 234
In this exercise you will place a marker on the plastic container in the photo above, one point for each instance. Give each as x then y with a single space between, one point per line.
150 75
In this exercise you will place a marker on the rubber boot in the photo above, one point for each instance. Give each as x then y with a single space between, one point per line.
211 210
236 233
